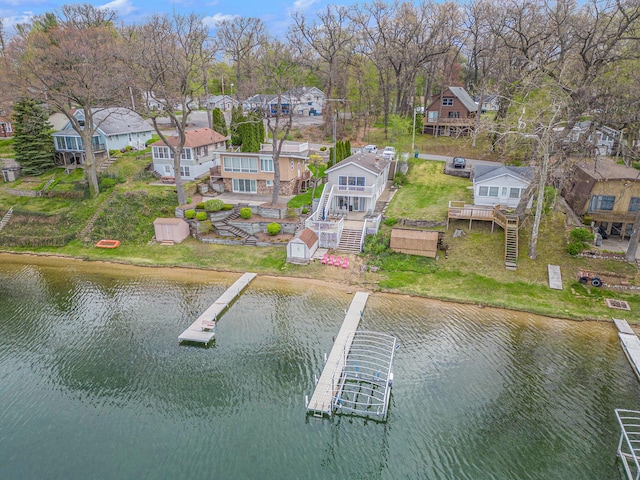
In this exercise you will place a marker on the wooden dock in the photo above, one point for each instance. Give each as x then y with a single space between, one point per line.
203 329
321 402
630 344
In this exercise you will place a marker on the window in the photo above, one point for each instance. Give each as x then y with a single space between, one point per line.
266 164
454 114
241 164
269 183
186 154
292 165
161 152
244 186
634 204
167 169
504 192
514 192
447 101
184 171
493 191
602 202
483 192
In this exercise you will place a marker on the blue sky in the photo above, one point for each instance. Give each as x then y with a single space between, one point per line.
275 13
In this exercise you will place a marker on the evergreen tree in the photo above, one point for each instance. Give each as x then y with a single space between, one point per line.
219 123
330 162
32 140
237 124
348 148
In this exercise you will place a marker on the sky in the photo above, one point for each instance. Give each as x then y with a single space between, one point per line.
276 14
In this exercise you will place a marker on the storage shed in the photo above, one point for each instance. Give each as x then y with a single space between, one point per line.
415 242
171 229
301 248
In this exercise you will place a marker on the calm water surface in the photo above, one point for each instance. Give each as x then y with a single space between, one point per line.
93 383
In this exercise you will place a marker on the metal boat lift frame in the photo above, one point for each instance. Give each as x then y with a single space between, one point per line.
629 445
364 385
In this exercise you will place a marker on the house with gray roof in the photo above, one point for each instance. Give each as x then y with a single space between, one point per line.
500 184
357 182
116 129
453 112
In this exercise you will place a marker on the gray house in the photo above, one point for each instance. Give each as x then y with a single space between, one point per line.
117 128
500 185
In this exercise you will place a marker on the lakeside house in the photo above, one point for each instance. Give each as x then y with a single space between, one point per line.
500 184
116 129
606 192
253 173
200 154
6 130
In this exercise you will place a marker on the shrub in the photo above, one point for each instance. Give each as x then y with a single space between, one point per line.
575 248
246 213
587 220
107 183
391 221
189 214
581 235
323 149
200 216
273 228
213 205
305 210
399 179
292 213
200 206
227 206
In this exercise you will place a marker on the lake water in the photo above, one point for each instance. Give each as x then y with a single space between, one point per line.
93 383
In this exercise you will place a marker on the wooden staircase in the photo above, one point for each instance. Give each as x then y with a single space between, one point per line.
511 243
350 241
7 217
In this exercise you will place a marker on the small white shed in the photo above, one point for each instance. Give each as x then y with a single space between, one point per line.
171 229
301 248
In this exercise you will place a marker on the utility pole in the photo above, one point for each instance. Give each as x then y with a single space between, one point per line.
335 121
413 137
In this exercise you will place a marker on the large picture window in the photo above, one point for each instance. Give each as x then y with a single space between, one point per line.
244 186
634 204
483 192
161 152
241 164
602 202
514 192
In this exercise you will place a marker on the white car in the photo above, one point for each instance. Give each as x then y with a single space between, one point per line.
389 153
370 149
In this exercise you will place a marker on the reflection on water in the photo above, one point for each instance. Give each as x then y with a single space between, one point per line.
93 383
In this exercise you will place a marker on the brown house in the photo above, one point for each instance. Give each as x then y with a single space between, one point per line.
453 112
244 172
607 192
5 127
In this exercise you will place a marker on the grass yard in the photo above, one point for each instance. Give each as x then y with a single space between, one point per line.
6 148
427 193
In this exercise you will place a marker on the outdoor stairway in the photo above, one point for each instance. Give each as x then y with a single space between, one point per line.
511 243
6 218
106 164
223 225
350 241
84 233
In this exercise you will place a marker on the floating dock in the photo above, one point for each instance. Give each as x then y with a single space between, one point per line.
628 446
203 329
322 399
630 344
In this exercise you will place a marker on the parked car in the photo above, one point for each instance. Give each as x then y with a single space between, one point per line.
459 162
389 153
370 149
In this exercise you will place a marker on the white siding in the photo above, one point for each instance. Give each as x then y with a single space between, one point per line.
483 192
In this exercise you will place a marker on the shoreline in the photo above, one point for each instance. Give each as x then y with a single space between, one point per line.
313 281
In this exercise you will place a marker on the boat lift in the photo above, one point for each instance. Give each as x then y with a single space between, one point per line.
629 445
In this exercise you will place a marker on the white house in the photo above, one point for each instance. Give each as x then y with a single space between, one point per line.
356 183
500 184
116 129
223 102
306 100
201 152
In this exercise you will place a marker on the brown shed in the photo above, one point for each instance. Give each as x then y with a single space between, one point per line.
171 229
415 242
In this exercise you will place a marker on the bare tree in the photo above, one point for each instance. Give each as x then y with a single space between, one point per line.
170 55
74 60
240 38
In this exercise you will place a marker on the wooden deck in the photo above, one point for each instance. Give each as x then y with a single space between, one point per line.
630 344
321 402
203 329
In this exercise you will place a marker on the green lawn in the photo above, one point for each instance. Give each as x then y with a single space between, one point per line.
6 148
427 194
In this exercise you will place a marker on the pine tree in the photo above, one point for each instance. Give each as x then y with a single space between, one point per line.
219 123
348 148
32 140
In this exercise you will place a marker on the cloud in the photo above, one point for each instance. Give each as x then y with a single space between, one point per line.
123 7
213 21
302 4
9 23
